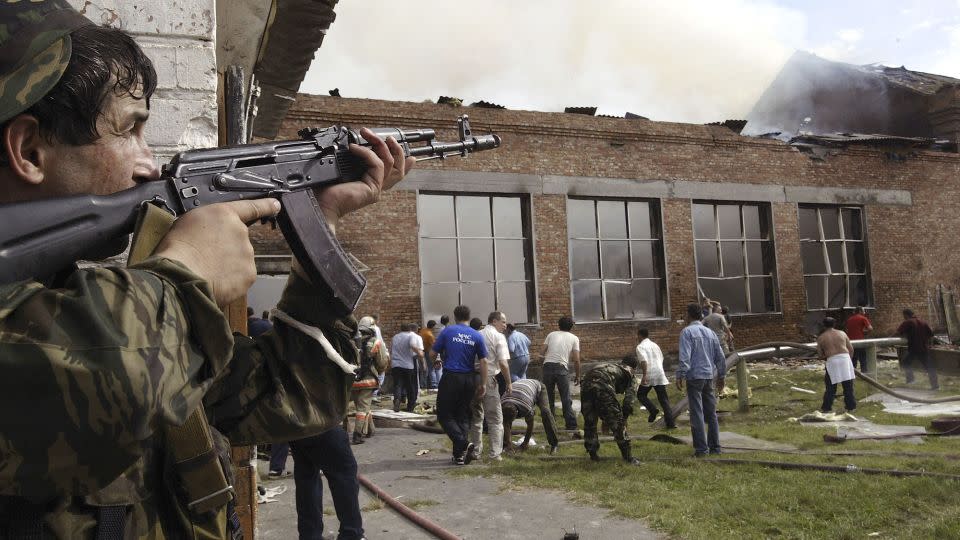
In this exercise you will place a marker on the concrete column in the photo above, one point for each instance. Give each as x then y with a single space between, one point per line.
743 386
872 360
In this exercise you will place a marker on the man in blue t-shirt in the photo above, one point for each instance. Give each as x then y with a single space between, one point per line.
460 347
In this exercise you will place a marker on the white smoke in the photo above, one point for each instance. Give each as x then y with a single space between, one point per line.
684 60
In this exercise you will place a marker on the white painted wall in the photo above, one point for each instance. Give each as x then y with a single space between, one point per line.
180 37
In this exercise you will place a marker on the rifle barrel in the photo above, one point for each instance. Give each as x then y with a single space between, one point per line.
475 144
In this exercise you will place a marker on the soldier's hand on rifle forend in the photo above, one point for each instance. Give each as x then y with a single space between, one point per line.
385 167
214 243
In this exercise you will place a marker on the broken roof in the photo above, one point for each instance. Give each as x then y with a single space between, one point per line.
819 96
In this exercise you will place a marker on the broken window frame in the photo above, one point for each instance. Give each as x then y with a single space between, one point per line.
655 238
530 317
829 270
753 306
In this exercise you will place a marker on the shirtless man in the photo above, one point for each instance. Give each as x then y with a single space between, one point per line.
834 347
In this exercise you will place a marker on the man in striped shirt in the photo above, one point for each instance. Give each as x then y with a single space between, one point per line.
519 401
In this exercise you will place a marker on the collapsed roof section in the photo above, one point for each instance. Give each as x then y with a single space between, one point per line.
275 40
817 96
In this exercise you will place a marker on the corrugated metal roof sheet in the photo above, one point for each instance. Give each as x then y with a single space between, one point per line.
589 111
486 105
733 125
870 139
925 83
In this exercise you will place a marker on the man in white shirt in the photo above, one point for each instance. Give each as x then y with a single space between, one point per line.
407 349
653 377
488 408
559 349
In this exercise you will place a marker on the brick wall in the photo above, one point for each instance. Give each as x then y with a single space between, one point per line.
911 247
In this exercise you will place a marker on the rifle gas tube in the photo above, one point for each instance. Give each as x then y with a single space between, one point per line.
41 237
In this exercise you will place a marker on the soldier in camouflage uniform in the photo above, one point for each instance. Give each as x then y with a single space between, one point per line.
598 400
101 365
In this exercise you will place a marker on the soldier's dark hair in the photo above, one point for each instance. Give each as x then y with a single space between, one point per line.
460 313
476 323
431 323
565 324
630 360
103 61
694 312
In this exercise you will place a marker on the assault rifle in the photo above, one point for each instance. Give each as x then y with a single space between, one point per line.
44 236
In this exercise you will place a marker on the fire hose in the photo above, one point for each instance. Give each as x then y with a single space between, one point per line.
736 357
424 523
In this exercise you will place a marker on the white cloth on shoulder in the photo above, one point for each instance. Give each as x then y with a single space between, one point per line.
840 368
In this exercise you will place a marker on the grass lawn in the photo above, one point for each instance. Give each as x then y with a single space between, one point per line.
689 498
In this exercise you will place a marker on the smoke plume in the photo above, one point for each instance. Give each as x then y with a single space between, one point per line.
685 60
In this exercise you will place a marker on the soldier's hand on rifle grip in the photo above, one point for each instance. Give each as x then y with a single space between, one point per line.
385 167
214 243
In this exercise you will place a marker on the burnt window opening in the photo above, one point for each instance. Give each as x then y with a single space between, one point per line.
833 251
616 259
735 257
476 250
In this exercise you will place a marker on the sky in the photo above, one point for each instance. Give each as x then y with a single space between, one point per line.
679 60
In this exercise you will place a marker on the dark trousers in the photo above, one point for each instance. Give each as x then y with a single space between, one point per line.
830 393
906 363
555 375
860 356
454 396
704 426
661 391
278 457
404 384
423 374
330 453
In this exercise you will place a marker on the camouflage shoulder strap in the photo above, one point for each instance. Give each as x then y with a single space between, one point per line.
201 477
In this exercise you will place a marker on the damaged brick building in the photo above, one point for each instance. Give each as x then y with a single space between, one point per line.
623 221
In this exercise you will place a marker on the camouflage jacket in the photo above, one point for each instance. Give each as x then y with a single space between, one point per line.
95 367
614 378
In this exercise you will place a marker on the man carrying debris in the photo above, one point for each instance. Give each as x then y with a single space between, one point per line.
918 334
598 399
834 347
718 323
519 401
